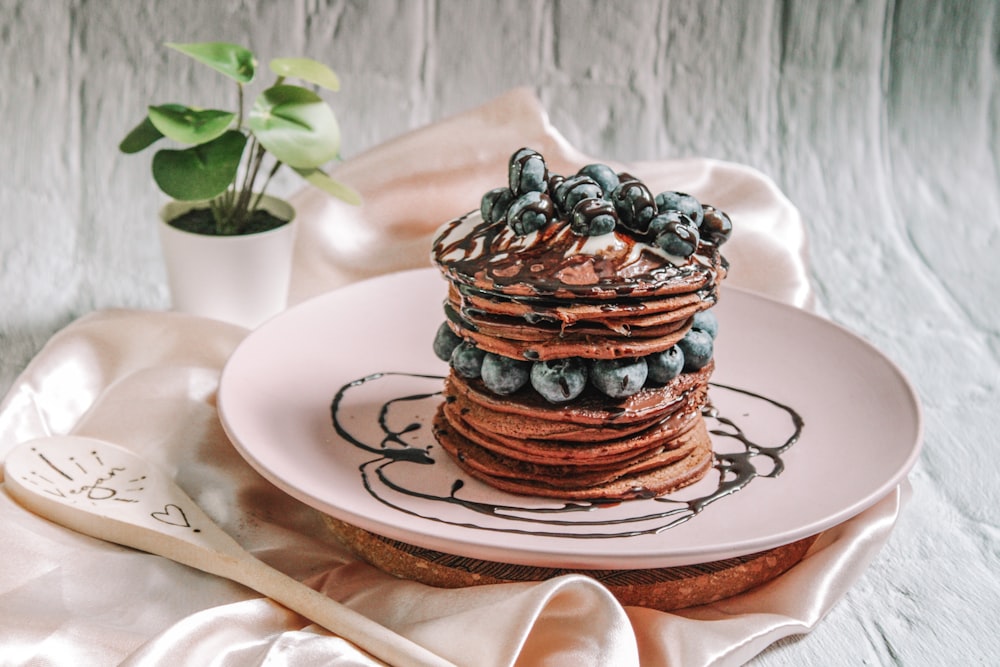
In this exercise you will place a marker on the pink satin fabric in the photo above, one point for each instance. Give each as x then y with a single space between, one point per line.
147 380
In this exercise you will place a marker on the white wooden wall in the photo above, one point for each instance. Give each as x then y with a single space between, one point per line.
878 118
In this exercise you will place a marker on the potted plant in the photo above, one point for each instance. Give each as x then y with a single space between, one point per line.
227 243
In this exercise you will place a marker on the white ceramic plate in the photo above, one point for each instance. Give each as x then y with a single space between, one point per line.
369 346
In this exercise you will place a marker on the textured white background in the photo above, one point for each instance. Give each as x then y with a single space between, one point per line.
878 119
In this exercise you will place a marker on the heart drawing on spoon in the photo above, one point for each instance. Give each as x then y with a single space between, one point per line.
172 515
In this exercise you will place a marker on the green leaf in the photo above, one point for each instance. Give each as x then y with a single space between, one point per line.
142 135
296 126
145 133
234 61
190 126
307 70
321 180
202 171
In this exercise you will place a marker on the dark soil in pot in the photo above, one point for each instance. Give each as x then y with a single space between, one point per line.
201 221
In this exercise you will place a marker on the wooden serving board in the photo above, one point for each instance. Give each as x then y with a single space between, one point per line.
666 589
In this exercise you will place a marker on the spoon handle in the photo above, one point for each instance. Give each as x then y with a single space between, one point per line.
327 612
226 558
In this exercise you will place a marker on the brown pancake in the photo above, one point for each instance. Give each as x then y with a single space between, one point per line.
592 407
552 263
659 474
562 474
621 317
497 460
501 424
552 452
572 310
560 347
605 439
517 329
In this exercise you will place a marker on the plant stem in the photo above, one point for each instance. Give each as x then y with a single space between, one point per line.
267 181
242 207
239 117
217 212
250 175
222 211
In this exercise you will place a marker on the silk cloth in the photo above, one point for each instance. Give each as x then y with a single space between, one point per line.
147 380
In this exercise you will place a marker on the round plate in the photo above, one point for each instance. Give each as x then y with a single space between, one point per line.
332 402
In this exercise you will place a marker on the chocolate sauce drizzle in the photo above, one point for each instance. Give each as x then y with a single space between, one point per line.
413 443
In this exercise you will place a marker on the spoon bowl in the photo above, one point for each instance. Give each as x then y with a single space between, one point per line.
109 492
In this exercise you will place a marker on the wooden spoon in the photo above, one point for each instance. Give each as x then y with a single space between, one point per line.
108 492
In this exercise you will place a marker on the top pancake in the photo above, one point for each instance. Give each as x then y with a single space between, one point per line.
556 263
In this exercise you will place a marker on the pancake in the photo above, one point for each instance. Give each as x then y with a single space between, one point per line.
591 408
554 262
570 311
502 326
586 347
537 429
622 317
659 436
655 475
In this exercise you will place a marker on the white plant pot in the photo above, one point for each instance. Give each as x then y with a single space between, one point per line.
239 279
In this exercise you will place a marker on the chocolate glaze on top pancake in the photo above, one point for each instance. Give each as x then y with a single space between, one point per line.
555 262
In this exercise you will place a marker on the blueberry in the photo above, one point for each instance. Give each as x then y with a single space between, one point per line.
503 375
467 360
527 172
530 212
697 348
603 174
665 219
495 203
680 201
634 203
618 378
445 342
665 366
574 190
716 226
559 380
555 180
675 233
593 217
705 320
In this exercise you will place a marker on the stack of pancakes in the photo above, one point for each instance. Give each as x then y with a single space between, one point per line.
641 446
554 294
